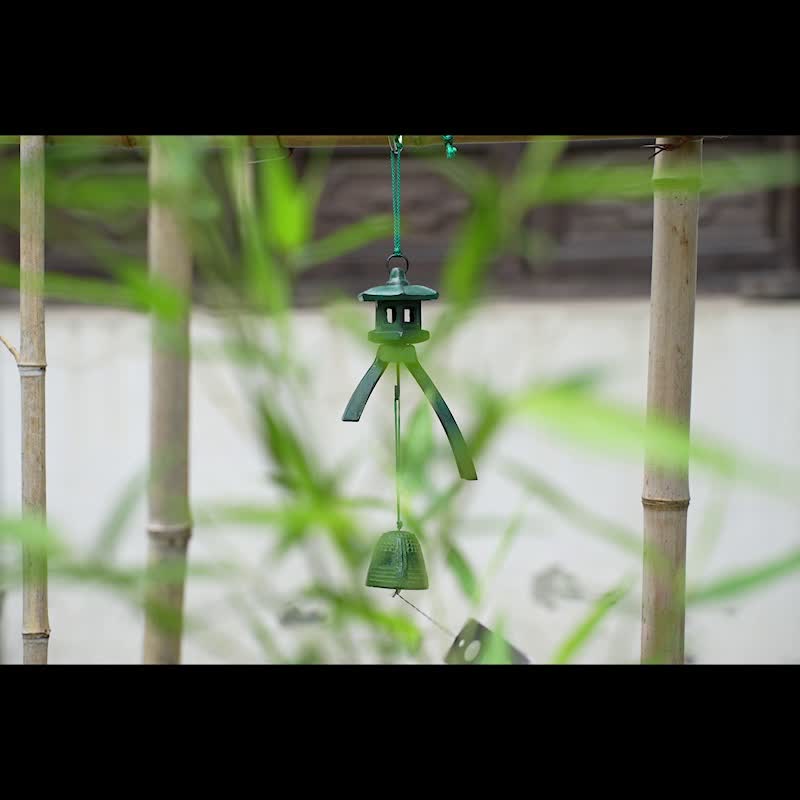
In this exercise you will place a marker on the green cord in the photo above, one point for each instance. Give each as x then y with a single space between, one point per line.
449 146
395 162
395 156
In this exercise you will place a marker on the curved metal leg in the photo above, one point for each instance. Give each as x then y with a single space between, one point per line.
364 389
466 469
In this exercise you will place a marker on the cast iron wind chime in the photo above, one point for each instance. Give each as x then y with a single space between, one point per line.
397 562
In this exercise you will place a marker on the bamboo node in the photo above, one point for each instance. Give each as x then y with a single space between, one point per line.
656 502
37 635
31 370
176 534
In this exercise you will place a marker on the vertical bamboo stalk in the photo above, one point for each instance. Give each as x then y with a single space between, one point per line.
32 364
244 189
665 498
170 523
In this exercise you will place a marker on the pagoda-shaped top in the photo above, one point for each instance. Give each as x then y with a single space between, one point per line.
398 286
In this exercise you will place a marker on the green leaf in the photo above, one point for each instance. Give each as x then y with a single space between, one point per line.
133 289
574 414
465 575
503 546
547 492
33 533
342 241
587 627
114 526
746 580
417 448
288 213
102 195
348 605
583 183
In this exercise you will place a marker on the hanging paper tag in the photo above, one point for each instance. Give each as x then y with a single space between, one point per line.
476 644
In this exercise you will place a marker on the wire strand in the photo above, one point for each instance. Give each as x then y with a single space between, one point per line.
397 444
427 616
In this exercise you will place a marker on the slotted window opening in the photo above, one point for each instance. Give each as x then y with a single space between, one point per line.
390 315
408 314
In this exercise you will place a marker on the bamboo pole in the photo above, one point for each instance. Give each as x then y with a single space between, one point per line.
316 140
665 497
338 140
170 526
31 362
32 365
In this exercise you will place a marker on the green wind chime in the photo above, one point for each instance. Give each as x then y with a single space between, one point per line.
397 562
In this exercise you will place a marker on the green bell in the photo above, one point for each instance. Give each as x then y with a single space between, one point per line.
397 562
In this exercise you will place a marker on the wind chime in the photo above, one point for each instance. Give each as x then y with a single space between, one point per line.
397 562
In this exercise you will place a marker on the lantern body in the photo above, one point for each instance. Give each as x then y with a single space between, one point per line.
397 562
398 320
398 309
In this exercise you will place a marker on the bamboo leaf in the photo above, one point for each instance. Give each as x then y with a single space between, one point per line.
581 516
746 580
134 289
417 448
574 414
342 241
345 605
465 575
503 546
313 181
32 532
114 526
287 208
582 183
587 627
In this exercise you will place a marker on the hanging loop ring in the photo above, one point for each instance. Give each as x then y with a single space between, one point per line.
396 143
398 255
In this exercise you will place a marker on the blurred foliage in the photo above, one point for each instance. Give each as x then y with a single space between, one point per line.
253 235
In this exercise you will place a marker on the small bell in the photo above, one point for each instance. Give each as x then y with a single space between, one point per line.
397 562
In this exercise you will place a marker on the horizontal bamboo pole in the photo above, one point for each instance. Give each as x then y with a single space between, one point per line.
429 141
336 140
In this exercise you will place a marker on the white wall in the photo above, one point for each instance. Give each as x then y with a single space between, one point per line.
747 381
